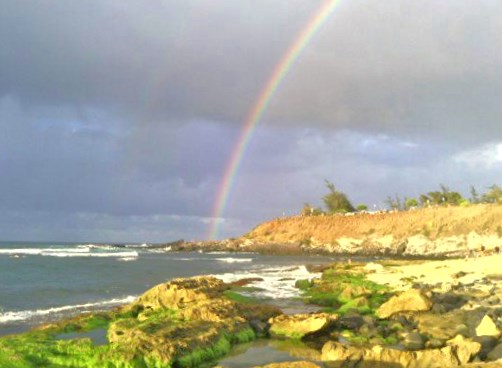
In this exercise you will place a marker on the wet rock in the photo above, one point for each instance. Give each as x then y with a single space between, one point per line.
487 328
258 326
290 365
445 357
179 293
298 325
487 345
410 301
413 341
171 319
245 281
495 353
459 351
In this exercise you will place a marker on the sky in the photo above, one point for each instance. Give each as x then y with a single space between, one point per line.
118 118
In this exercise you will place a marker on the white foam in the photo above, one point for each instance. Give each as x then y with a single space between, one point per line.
234 260
41 251
102 254
65 252
277 283
126 259
29 314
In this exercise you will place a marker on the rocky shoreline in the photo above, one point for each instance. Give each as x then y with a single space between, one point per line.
435 232
391 313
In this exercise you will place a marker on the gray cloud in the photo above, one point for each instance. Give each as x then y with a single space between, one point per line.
117 118
407 68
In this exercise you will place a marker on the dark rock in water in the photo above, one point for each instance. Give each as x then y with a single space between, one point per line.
488 343
495 353
317 268
245 281
259 327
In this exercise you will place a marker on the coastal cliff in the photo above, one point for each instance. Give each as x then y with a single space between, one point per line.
436 231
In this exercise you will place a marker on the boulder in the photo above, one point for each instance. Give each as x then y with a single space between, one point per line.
495 353
413 341
298 325
465 348
290 365
412 300
487 328
180 293
174 319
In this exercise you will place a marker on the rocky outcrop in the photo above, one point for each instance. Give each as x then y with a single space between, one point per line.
412 300
173 319
456 353
298 325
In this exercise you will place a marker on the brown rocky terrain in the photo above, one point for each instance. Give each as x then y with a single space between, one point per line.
437 231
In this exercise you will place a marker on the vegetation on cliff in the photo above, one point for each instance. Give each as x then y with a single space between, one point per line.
336 201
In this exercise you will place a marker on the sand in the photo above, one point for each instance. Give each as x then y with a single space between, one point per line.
447 272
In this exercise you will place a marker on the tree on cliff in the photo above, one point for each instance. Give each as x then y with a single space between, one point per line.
441 197
494 195
336 201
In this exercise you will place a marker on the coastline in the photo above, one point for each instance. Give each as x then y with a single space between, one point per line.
457 295
393 298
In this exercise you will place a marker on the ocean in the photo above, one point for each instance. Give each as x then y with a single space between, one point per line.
43 282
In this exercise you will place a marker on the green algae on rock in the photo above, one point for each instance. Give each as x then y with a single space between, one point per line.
181 323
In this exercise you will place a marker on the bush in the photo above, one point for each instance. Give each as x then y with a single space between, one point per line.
336 201
362 207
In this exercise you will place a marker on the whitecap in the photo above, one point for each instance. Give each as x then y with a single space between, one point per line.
276 283
234 260
102 254
16 316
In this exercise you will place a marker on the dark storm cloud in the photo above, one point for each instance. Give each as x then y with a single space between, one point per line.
73 167
155 59
399 66
117 117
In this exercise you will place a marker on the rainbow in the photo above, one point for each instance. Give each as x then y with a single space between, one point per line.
259 108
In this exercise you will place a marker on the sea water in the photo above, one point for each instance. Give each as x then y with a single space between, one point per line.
43 282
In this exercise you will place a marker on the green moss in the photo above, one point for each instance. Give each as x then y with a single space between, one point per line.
329 292
304 284
243 336
198 356
239 298
365 309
